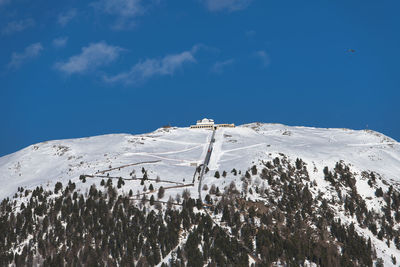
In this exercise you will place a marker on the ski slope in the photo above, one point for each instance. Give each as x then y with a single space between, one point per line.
176 148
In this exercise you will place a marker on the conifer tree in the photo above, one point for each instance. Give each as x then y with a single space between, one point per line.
254 170
161 191
234 171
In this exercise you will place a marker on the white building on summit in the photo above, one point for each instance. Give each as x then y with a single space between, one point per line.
205 121
209 124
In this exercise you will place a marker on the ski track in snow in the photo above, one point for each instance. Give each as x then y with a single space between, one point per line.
371 144
245 147
205 147
177 151
217 150
177 142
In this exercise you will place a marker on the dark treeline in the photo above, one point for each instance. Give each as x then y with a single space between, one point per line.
290 225
66 228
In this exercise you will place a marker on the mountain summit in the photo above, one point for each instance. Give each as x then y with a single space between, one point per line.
260 185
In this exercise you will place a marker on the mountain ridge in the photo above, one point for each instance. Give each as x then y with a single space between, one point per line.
279 133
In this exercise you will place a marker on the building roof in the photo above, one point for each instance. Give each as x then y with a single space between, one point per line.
205 121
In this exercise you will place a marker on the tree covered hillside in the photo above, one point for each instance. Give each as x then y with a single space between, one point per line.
288 224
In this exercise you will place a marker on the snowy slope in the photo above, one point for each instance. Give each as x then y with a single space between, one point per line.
177 149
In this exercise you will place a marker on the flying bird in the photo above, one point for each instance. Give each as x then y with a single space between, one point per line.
351 50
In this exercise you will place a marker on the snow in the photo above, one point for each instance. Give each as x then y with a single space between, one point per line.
176 148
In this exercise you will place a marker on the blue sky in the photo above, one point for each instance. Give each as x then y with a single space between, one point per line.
81 68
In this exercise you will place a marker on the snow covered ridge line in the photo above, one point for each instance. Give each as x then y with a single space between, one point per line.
257 126
178 149
260 126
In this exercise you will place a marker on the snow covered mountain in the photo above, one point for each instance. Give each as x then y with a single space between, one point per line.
170 156
176 148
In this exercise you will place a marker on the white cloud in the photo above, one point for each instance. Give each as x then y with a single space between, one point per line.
230 5
263 56
60 42
124 10
142 71
64 18
204 47
17 26
93 56
219 66
30 52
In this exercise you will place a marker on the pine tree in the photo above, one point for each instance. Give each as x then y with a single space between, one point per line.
379 192
254 170
120 182
161 191
58 187
379 262
212 189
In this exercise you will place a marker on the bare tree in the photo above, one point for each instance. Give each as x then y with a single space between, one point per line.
158 206
245 186
169 203
262 189
178 198
186 194
144 199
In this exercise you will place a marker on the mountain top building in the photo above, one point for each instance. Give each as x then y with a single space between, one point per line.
209 124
